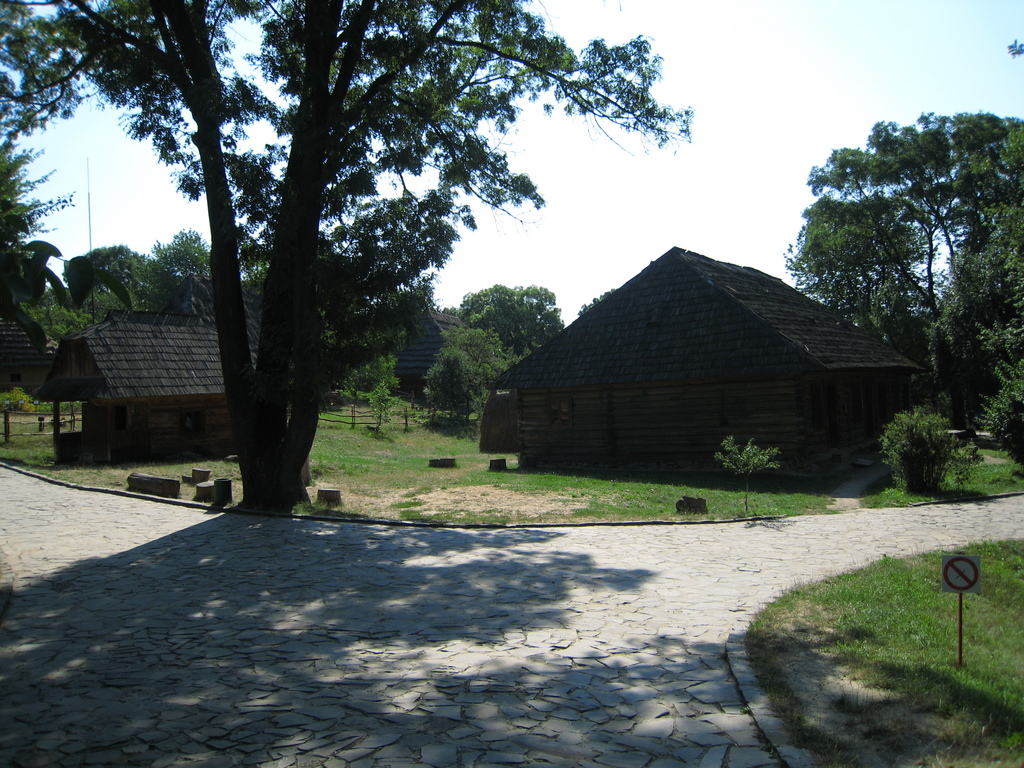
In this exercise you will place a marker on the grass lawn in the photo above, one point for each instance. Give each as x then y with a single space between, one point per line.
386 476
863 667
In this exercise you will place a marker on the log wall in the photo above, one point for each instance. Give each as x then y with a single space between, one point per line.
807 416
138 430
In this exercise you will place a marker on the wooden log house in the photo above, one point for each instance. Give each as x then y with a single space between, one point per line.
690 351
21 364
150 386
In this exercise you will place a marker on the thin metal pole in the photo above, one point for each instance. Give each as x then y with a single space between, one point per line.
960 631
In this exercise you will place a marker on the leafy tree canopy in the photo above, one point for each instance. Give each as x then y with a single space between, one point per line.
336 156
521 318
169 264
904 240
469 361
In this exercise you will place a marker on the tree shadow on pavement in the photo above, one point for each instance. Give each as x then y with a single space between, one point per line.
262 641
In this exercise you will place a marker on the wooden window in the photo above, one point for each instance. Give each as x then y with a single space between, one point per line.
15 378
120 418
560 414
192 423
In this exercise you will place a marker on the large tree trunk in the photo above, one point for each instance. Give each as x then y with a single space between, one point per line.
274 402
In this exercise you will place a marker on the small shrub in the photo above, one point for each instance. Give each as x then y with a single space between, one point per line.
745 460
924 455
17 399
1004 416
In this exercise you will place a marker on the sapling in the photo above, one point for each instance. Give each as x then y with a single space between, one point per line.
745 460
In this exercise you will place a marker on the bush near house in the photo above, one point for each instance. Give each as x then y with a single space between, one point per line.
924 455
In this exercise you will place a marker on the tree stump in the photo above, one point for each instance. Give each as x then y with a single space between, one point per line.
153 485
497 465
204 491
329 496
692 505
200 475
442 462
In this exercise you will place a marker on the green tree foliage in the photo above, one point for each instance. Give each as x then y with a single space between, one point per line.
521 318
169 264
745 460
901 241
387 115
924 455
1004 413
469 361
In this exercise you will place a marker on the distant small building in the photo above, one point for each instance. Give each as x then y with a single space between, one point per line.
21 364
413 362
150 385
692 350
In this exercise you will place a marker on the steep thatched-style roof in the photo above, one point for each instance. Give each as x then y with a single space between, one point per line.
17 351
416 359
136 354
687 316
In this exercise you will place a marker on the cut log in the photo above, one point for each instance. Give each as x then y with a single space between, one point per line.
204 491
442 462
690 505
200 475
156 486
497 465
329 496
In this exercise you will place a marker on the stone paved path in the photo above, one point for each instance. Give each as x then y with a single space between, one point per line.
145 634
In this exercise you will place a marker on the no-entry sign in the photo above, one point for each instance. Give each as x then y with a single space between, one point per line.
961 573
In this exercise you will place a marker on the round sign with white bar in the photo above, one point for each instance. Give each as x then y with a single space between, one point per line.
961 573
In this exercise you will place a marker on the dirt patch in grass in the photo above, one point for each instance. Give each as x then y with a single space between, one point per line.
472 499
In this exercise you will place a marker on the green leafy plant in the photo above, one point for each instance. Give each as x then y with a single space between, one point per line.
924 455
17 399
745 460
1004 415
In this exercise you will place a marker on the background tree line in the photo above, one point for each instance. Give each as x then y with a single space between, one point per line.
919 237
500 325
148 279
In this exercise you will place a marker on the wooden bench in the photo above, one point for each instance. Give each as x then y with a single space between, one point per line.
153 485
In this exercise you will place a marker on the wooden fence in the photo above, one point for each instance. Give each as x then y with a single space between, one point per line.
23 424
353 417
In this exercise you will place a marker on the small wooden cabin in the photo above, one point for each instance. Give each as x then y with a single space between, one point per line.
21 364
150 386
692 350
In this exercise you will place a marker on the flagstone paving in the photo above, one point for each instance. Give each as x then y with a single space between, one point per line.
141 633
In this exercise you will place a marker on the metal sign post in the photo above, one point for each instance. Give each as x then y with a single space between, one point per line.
961 573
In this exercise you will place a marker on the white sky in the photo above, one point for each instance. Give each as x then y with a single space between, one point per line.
775 87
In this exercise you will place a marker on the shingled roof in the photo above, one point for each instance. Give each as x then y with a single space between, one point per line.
416 359
17 351
687 316
136 354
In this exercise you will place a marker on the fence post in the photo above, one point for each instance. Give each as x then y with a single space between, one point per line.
7 425
353 417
